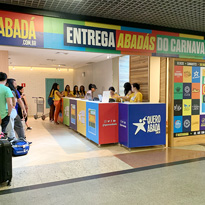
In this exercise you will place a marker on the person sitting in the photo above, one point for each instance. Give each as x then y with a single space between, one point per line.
82 91
67 92
89 94
114 95
137 95
76 92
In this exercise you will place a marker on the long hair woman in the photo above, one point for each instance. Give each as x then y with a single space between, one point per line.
82 91
127 91
75 91
67 92
10 127
57 102
51 103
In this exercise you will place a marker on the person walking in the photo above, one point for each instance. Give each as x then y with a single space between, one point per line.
5 102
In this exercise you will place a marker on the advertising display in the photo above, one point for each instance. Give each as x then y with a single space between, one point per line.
189 101
102 122
142 124
81 117
60 116
66 111
26 30
73 114
92 121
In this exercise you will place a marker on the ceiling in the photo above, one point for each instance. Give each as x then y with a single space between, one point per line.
52 58
181 14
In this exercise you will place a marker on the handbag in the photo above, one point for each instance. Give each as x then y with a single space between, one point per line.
50 101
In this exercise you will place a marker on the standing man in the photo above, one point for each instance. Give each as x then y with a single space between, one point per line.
5 102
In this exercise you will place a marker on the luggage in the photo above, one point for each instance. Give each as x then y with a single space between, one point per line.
5 161
20 147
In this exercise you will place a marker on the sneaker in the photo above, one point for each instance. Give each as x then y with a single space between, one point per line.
57 123
29 128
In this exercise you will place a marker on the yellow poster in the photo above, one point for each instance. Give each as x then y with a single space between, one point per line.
187 74
81 116
195 123
203 72
186 107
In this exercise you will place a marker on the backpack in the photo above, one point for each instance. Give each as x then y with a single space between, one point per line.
20 147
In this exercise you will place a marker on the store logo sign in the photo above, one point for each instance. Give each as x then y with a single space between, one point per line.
187 89
178 74
153 124
177 108
89 37
177 124
187 107
196 75
178 89
187 123
195 107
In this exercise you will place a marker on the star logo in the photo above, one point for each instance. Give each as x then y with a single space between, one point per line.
196 74
140 126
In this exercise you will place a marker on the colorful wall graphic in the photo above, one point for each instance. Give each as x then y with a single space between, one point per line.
25 30
73 114
189 98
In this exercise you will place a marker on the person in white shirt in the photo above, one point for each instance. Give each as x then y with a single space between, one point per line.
89 94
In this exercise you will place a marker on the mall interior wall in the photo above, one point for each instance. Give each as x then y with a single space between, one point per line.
35 81
101 73
154 84
4 62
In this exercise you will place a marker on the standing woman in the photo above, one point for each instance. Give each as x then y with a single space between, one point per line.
10 127
75 91
82 91
23 97
51 103
57 102
127 91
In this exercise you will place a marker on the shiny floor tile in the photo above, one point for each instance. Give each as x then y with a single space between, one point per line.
160 156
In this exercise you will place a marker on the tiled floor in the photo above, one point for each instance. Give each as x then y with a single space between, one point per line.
59 154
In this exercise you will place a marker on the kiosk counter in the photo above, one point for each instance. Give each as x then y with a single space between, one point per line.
66 111
130 124
102 122
142 124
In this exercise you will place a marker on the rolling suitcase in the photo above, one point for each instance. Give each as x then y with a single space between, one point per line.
5 161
